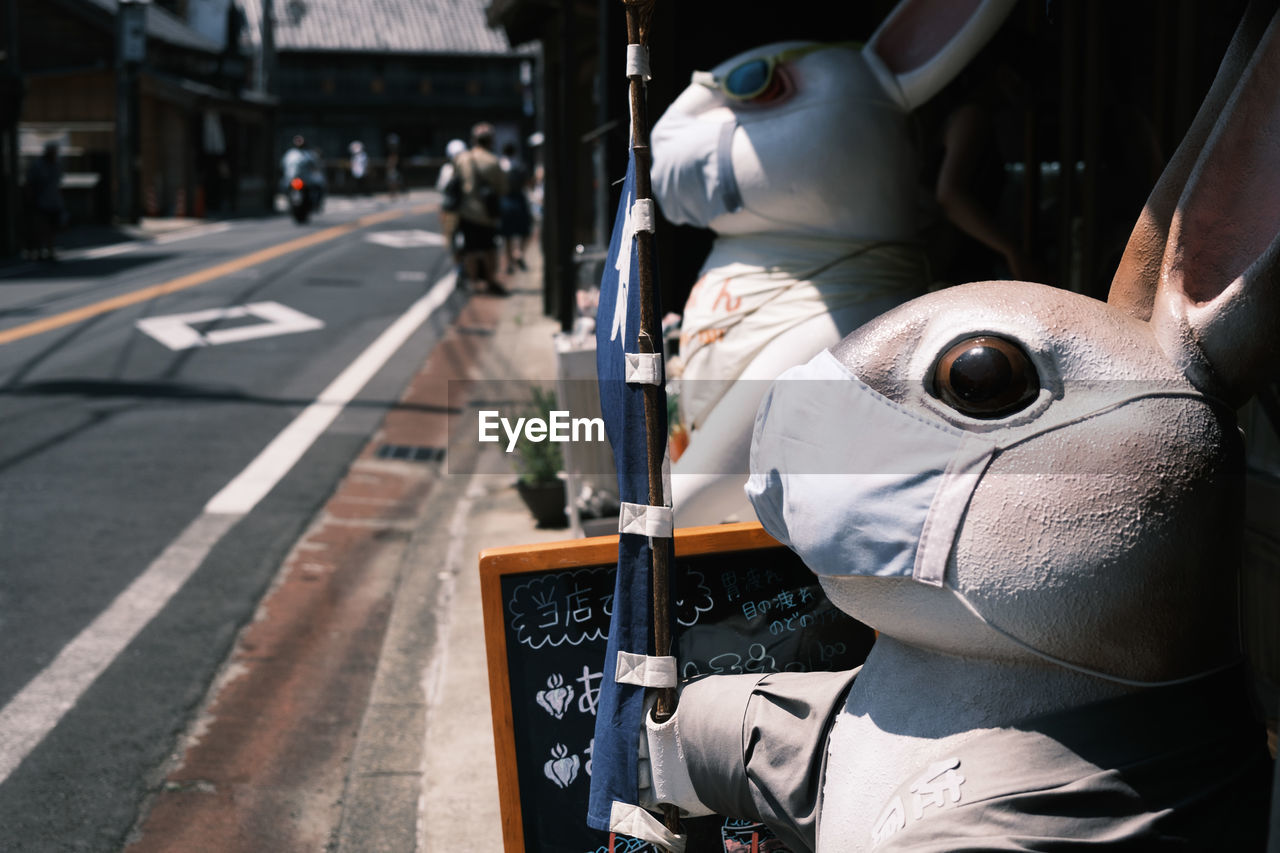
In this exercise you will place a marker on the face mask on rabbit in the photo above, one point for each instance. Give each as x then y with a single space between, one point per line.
1046 500
735 165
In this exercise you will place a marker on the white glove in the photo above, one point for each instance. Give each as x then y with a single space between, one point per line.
664 778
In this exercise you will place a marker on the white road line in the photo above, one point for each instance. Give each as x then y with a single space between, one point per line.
104 252
193 231
135 245
41 704
242 493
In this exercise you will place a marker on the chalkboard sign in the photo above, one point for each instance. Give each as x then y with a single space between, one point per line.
746 604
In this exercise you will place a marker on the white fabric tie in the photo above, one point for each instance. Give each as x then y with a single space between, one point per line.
656 522
638 61
644 368
635 822
646 670
642 214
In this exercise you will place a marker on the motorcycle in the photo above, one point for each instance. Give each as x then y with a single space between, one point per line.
302 200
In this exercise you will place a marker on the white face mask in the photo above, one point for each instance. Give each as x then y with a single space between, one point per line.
692 169
857 484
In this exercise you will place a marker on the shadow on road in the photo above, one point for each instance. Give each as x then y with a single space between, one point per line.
123 388
82 267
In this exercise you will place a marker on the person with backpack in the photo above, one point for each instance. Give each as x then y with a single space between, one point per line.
483 183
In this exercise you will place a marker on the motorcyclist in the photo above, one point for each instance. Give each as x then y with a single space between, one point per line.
301 162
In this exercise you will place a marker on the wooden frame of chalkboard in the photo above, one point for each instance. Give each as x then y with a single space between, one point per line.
545 625
598 551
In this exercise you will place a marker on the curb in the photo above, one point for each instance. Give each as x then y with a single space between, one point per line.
423 775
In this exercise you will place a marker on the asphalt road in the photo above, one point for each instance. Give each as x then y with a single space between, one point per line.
137 385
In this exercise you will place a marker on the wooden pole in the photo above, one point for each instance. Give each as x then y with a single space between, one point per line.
649 341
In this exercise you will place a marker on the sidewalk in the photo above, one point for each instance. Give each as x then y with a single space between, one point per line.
423 775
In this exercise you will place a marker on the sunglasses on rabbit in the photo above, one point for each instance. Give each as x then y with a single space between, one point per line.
750 80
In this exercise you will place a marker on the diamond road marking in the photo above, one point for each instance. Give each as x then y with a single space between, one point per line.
406 239
178 332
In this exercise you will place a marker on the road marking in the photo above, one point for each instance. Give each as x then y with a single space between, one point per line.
411 239
195 279
242 493
39 706
104 252
194 231
178 332
30 715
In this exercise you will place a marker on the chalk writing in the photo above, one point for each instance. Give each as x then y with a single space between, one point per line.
729 580
697 602
743 613
745 836
567 608
556 698
625 844
590 698
561 768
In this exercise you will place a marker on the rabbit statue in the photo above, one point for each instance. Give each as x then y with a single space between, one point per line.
1036 499
800 157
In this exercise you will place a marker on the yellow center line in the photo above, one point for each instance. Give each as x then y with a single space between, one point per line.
190 280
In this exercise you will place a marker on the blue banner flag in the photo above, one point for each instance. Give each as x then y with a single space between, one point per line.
619 714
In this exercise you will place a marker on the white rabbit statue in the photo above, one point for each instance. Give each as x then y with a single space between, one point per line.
800 156
1036 499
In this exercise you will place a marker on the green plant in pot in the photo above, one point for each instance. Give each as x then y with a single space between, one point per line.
539 464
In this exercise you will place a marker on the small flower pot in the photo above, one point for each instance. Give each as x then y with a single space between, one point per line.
546 501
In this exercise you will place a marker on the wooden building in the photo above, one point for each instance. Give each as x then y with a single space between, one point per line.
413 72
201 132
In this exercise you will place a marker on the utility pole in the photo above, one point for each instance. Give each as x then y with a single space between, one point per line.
131 51
11 92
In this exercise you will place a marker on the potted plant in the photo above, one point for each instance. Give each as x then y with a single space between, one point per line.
539 464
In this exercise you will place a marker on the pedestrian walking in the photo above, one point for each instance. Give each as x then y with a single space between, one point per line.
393 165
483 186
515 220
42 198
359 165
450 186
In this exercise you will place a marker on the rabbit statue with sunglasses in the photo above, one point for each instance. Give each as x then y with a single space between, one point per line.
800 157
1036 499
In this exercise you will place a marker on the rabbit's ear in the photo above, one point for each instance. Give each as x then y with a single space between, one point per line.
924 44
1133 288
1217 305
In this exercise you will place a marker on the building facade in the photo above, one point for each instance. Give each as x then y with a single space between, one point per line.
198 138
402 77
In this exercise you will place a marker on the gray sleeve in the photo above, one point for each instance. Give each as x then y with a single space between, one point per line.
756 746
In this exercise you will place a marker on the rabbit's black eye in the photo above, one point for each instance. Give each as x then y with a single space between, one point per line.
986 377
